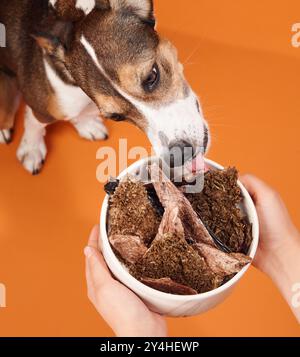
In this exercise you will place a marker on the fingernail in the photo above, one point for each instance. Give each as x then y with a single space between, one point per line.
88 251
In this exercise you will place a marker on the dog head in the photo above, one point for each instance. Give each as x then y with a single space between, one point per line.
113 52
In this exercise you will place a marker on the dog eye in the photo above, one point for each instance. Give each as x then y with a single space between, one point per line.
152 81
116 117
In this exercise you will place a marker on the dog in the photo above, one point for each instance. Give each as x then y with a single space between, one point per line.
89 60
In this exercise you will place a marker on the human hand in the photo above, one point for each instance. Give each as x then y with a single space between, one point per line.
124 312
278 252
277 231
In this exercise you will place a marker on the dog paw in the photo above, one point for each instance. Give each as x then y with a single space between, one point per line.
32 156
6 136
91 128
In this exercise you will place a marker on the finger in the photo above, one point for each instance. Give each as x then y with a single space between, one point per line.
90 287
94 237
98 274
92 242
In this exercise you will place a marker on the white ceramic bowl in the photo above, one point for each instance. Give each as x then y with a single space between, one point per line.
168 304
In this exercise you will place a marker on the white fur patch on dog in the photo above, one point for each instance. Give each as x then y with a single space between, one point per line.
72 100
32 150
90 127
85 5
53 2
177 121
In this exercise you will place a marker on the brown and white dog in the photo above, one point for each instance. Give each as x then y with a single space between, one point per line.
78 59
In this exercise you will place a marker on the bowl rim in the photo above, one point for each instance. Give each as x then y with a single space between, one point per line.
140 288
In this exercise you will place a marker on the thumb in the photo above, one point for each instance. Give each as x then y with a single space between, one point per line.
96 269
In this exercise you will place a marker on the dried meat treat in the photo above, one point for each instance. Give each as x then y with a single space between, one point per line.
171 197
111 186
222 264
170 223
217 205
131 213
171 256
129 248
172 241
169 286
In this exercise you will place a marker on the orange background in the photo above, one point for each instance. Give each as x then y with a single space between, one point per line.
239 59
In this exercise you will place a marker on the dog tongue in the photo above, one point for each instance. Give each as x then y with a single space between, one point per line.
197 164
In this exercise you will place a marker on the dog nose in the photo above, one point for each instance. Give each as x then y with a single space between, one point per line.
180 152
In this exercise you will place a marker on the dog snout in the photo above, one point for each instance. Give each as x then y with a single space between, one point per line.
180 152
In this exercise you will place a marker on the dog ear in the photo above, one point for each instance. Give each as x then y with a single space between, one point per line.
72 10
142 8
50 45
56 41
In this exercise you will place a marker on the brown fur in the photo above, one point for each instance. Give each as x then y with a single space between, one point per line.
8 95
172 81
67 11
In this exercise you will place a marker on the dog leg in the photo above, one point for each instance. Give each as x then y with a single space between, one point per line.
32 150
89 124
9 104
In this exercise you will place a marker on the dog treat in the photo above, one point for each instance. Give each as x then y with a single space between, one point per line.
170 223
131 213
221 263
167 285
218 207
171 256
129 248
156 230
171 197
113 183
